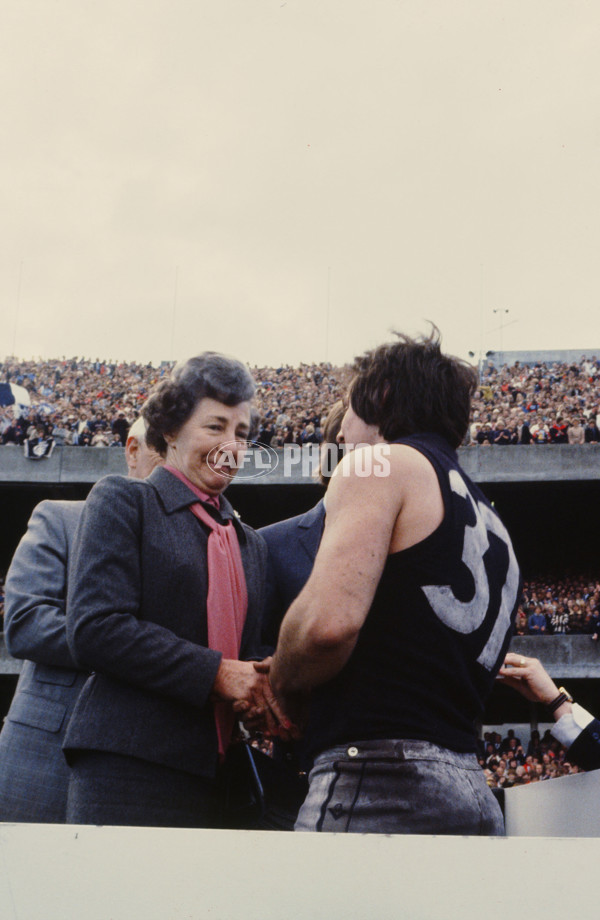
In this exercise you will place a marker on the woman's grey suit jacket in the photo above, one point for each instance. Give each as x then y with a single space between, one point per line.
136 617
34 776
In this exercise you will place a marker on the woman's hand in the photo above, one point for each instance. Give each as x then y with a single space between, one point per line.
235 680
294 712
528 677
246 685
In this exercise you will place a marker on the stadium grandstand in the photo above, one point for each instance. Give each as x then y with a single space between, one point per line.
526 398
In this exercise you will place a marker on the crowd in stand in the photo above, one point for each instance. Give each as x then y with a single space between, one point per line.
507 762
90 403
538 404
76 401
556 607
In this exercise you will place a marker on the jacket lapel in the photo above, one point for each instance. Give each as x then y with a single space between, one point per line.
175 496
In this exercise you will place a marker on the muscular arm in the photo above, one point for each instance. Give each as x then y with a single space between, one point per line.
319 631
36 587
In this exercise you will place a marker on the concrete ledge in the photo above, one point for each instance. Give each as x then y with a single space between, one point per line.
521 463
67 873
565 807
564 657
66 465
549 463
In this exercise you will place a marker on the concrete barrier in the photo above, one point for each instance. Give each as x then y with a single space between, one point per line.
71 873
564 657
549 463
565 807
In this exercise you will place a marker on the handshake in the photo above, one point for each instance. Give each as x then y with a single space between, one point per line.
246 684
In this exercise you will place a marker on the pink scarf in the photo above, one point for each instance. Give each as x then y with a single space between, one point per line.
227 601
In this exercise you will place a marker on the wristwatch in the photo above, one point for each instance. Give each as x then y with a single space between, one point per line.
563 697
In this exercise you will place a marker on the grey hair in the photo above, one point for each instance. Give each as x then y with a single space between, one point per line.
209 375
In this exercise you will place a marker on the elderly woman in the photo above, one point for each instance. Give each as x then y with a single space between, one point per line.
165 598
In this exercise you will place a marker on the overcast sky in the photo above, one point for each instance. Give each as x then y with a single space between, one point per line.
288 180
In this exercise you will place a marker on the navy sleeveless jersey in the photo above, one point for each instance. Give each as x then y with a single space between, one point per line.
437 631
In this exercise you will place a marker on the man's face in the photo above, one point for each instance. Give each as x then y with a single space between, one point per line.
148 459
141 459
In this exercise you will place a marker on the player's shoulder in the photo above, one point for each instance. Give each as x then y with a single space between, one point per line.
382 465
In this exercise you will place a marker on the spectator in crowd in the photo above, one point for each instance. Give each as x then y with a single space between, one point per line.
82 429
502 435
474 430
540 433
292 435
485 435
591 433
510 743
536 624
15 430
559 431
101 437
120 426
524 430
576 431
521 623
61 432
559 620
266 432
308 435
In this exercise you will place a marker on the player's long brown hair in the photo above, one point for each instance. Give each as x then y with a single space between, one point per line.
410 386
